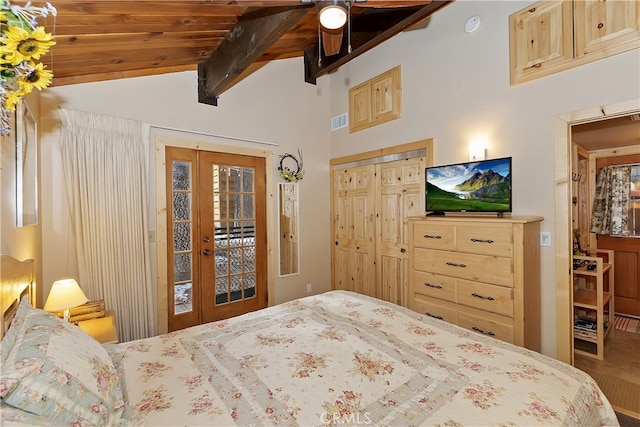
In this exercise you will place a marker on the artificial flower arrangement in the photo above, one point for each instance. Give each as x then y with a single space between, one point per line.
291 174
22 43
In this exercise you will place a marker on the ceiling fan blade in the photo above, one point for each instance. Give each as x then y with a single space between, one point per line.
331 41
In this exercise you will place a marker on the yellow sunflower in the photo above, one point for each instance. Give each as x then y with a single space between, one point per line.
20 45
38 78
12 98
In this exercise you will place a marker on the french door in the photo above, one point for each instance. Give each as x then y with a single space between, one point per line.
217 246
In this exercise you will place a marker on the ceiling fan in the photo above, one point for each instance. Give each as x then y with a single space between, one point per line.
334 14
264 22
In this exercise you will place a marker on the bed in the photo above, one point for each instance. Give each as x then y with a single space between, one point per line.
337 358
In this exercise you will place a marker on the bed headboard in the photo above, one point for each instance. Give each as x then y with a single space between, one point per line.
17 279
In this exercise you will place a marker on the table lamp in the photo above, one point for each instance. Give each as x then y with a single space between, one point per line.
64 295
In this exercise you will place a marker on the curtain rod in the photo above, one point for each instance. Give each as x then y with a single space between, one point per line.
235 138
626 164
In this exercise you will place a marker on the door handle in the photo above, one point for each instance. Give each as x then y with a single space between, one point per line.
206 252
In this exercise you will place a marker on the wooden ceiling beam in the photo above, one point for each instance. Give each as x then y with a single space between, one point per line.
253 34
368 29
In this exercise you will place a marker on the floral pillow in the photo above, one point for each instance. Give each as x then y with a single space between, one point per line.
10 337
55 369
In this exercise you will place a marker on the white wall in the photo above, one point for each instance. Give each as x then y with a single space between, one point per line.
274 105
456 87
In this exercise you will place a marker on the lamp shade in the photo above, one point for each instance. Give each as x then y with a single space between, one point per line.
333 16
65 294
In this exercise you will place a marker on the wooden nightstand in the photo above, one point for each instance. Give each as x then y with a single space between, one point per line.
102 329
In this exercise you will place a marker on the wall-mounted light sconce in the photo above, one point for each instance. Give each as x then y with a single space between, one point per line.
478 149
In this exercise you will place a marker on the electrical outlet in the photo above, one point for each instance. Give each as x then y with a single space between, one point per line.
545 238
308 288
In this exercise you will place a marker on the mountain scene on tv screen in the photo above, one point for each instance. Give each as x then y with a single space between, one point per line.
481 186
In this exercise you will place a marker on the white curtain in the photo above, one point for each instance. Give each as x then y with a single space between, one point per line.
105 166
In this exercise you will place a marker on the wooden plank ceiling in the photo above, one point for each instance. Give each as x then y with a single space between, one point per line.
224 40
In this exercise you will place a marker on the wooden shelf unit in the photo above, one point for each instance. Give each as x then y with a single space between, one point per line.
594 298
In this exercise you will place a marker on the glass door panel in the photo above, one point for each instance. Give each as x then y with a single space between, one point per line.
232 277
181 228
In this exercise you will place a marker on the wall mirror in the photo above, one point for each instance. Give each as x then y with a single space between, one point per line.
288 228
26 167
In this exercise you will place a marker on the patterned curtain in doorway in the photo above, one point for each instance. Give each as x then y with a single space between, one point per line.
611 203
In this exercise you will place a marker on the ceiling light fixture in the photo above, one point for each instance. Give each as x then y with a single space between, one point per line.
333 14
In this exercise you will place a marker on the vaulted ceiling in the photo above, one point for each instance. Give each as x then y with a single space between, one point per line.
224 40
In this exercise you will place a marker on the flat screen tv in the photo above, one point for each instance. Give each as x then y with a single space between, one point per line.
477 186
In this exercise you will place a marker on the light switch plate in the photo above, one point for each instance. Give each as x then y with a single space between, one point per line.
545 238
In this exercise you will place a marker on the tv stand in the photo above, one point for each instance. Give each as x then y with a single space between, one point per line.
435 213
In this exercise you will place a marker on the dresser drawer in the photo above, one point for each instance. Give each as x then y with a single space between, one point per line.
485 323
435 308
484 240
496 299
433 285
480 268
434 236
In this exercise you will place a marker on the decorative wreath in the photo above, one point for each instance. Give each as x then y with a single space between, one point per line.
293 173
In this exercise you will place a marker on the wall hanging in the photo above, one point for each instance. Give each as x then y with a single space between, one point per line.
290 167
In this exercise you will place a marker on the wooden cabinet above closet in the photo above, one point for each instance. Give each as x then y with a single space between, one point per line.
376 101
552 36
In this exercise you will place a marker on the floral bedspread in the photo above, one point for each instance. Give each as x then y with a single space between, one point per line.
345 359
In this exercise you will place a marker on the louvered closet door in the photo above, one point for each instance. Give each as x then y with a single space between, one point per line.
217 256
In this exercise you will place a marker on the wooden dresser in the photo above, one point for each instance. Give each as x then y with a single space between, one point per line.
481 273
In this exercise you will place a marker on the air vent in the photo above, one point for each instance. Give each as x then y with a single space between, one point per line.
339 122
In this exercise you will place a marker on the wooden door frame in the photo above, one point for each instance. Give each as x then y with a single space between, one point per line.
161 142
563 150
426 144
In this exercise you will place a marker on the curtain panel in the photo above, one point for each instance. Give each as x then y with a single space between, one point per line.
610 211
105 166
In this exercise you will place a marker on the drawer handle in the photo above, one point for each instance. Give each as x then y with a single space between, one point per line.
474 240
433 315
482 296
433 286
491 334
453 264
431 236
